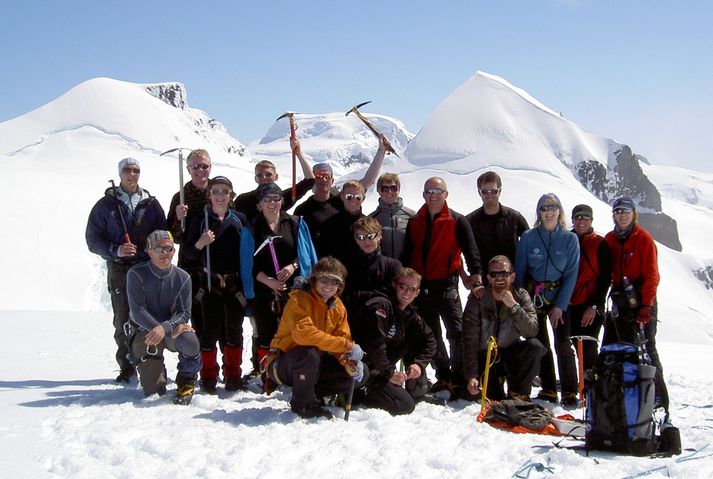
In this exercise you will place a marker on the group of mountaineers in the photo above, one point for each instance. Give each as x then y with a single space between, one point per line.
341 301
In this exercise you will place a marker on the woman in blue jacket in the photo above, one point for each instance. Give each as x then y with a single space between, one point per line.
547 263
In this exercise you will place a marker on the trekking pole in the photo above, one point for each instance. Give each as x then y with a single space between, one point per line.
181 194
127 239
207 247
293 129
350 397
492 346
377 133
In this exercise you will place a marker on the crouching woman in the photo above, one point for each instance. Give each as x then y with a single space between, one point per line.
313 350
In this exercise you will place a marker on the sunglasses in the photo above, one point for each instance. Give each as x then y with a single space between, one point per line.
330 281
272 199
499 274
621 211
389 188
369 236
266 174
323 177
220 191
545 208
434 191
200 167
493 191
582 217
408 288
163 249
352 196
135 171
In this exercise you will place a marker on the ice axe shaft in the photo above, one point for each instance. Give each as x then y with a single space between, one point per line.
377 133
492 350
580 363
207 247
181 193
268 242
293 128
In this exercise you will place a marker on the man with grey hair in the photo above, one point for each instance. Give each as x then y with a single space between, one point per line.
159 296
117 228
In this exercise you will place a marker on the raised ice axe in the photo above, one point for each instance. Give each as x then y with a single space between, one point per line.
377 133
293 129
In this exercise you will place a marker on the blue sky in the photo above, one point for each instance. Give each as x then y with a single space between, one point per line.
634 70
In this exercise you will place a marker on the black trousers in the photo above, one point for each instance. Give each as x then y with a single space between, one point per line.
566 361
395 399
434 305
267 315
312 374
222 320
590 349
116 282
624 329
517 364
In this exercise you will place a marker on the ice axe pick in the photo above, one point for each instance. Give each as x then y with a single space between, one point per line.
355 110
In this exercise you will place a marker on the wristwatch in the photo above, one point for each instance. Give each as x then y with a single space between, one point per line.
295 265
594 307
477 284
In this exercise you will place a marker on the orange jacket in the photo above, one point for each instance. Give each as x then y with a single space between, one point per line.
308 321
637 258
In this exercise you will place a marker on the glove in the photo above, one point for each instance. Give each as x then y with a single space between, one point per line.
644 315
359 371
356 353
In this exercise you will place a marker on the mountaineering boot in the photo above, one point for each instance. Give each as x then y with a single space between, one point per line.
569 400
521 397
313 410
125 375
209 385
235 384
184 393
546 395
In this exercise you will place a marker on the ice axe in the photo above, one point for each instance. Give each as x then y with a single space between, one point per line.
127 239
369 125
181 195
207 247
268 241
490 357
293 128
580 363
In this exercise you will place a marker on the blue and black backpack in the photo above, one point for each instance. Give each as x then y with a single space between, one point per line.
620 402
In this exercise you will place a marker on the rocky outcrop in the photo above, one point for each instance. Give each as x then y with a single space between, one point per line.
173 94
624 177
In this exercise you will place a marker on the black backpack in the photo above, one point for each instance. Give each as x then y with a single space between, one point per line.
620 402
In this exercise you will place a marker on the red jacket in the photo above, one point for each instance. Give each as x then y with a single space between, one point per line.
637 258
589 269
443 256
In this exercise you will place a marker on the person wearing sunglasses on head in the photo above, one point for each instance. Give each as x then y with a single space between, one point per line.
265 172
117 228
159 295
313 350
634 283
217 243
337 237
326 201
506 313
392 331
586 307
195 197
372 272
436 239
547 263
392 215
496 228
275 249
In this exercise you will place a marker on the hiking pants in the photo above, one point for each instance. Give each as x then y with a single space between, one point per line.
152 372
116 282
566 361
267 320
396 399
517 364
313 374
434 305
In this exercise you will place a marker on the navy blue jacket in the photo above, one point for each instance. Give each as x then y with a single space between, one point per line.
105 232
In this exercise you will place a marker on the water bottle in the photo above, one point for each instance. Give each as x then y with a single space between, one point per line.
630 293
